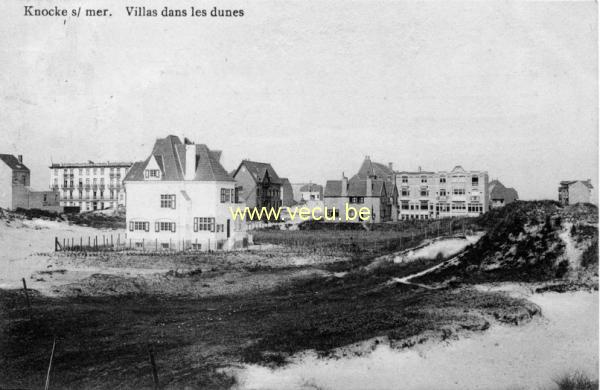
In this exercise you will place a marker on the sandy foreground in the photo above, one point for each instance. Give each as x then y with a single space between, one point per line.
27 248
530 356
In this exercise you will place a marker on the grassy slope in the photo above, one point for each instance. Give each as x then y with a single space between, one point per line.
522 244
102 341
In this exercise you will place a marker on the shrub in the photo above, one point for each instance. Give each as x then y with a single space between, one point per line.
576 381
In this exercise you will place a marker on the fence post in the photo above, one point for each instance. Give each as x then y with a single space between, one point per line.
154 372
47 386
56 244
27 298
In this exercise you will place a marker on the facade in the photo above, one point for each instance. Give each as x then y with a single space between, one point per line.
500 195
287 193
575 191
89 186
45 200
427 195
258 185
378 171
14 182
179 197
358 193
311 192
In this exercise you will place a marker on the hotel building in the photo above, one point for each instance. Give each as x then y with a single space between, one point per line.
428 195
89 186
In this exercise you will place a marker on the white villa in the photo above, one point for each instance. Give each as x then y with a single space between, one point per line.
179 198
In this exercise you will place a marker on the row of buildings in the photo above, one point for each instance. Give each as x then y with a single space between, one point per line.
182 193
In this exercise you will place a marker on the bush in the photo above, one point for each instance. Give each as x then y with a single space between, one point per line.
576 381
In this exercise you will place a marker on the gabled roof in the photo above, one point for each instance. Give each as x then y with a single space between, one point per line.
258 170
170 155
588 183
499 191
13 162
356 187
373 169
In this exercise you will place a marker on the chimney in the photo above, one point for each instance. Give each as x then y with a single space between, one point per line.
369 187
344 185
391 166
190 161
419 168
20 158
368 158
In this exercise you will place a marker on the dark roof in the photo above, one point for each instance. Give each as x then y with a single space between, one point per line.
587 182
356 187
311 187
370 168
499 191
170 155
13 162
258 171
333 188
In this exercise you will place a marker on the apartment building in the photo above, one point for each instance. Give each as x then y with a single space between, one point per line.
427 194
89 186
179 197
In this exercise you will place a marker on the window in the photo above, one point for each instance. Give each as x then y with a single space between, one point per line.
475 207
204 224
95 171
442 180
458 206
331 212
139 225
167 201
475 181
152 174
442 192
87 171
423 179
404 179
164 226
405 192
405 205
225 195
102 171
80 172
360 200
458 191
424 193
424 205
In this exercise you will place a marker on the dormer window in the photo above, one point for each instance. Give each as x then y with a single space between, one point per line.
152 174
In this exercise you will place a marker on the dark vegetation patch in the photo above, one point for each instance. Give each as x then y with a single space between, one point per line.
522 244
576 381
102 341
359 241
91 219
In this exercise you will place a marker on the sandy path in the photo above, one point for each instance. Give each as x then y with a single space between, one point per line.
504 357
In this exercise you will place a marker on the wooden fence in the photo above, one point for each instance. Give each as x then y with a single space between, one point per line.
118 242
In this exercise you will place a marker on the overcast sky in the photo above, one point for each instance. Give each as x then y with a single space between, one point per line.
312 87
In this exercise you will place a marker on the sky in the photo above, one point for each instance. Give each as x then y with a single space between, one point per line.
311 86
